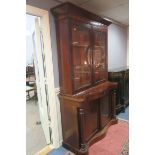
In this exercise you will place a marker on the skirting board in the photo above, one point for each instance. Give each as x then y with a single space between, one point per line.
45 150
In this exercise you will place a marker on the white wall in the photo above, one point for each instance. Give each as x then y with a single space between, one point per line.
117 46
128 46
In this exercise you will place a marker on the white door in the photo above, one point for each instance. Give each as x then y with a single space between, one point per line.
42 89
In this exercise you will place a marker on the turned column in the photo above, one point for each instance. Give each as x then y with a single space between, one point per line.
81 129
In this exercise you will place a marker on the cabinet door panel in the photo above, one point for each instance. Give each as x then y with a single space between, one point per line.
82 55
91 119
99 56
105 107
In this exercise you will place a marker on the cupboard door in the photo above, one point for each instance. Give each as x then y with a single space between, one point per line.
105 108
99 56
91 119
82 55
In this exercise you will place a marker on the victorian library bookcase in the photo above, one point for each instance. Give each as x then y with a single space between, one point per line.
87 98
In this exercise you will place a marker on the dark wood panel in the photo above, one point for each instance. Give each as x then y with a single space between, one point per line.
91 119
63 42
106 111
69 113
122 77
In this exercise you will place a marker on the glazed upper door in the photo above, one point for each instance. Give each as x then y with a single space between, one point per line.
99 56
82 55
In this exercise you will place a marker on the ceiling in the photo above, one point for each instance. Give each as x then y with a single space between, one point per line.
115 10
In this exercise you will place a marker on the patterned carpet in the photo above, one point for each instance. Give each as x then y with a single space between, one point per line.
125 150
115 141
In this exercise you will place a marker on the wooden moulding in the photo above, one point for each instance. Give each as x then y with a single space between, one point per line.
97 89
70 10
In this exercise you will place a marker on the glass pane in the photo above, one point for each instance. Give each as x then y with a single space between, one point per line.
99 56
81 56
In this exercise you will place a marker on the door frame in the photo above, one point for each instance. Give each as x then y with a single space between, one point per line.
54 111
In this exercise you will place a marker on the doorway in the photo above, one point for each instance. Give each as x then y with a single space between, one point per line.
38 131
50 106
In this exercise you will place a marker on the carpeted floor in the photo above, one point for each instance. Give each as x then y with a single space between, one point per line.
114 141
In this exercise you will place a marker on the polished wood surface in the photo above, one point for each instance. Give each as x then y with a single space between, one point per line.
86 96
83 119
